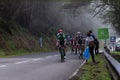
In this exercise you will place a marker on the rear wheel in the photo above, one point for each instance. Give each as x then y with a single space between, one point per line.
76 48
62 53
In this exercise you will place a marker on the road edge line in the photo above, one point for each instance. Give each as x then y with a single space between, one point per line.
76 71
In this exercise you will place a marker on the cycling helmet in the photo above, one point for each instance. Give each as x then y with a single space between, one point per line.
78 32
60 30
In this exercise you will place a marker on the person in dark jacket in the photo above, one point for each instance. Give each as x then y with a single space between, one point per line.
96 46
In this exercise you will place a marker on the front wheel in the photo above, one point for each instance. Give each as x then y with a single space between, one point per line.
62 53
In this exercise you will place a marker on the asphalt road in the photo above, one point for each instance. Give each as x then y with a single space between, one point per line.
44 66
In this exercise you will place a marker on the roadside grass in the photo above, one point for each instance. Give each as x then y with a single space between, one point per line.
97 71
116 55
115 52
22 52
4 54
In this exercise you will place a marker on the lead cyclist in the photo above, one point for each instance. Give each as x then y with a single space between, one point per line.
61 41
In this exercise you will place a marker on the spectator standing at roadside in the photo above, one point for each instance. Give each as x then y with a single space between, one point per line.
96 42
90 44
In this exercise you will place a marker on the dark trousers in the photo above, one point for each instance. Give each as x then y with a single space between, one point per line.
92 53
96 50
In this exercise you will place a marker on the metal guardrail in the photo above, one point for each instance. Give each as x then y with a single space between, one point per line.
113 65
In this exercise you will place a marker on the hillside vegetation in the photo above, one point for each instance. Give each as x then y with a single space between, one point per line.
22 23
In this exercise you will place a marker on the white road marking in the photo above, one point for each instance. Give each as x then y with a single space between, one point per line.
56 55
37 59
76 71
21 62
48 56
2 66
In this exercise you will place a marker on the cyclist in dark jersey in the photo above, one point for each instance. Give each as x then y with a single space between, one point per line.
78 42
72 44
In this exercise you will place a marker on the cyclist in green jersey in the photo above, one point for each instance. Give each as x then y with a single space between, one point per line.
61 40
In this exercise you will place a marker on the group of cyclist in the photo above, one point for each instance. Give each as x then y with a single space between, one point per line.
77 43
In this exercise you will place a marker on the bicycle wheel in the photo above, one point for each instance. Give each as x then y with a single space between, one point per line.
76 48
62 53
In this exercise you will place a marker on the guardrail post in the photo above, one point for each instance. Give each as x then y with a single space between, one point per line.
41 42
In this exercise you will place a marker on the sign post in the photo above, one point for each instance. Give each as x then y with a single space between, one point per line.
41 42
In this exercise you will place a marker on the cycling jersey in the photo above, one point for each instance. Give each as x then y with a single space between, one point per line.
61 38
79 39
